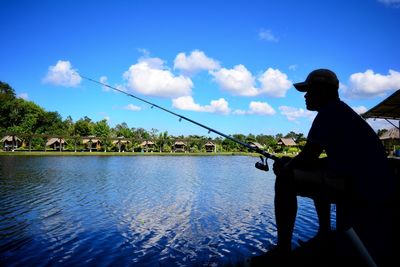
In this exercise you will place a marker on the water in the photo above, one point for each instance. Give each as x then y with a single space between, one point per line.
138 211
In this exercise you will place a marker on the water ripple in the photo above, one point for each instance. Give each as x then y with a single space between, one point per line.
141 211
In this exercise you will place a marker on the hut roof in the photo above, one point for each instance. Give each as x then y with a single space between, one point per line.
9 138
209 143
179 143
389 108
122 141
54 140
87 140
144 143
257 145
392 133
287 142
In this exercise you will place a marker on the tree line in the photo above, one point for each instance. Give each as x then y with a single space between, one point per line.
25 117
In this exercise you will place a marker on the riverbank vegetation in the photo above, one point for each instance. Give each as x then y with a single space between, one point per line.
32 126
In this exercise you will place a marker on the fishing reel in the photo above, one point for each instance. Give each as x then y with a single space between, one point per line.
262 165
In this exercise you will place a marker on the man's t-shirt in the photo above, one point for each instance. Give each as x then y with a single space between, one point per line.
354 150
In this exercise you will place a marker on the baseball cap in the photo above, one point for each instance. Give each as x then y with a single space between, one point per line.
319 76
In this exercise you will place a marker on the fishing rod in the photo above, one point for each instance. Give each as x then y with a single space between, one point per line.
260 165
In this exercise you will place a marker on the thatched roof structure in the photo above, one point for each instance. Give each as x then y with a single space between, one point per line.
89 139
287 142
392 133
257 145
179 143
209 143
51 141
9 138
147 143
121 141
389 108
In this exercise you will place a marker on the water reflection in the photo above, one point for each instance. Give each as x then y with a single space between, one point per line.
146 211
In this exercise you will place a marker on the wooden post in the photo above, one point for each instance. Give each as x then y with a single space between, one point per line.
12 143
90 145
60 144
75 145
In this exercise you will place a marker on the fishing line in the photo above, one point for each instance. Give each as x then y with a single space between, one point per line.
153 105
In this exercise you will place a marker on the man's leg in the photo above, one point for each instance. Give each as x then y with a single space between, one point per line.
324 217
285 211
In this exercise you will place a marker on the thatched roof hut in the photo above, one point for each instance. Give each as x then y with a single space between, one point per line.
56 143
257 145
10 142
392 133
390 140
147 145
92 143
179 146
9 138
54 140
287 142
210 146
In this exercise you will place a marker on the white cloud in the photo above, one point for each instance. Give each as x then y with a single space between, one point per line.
391 3
23 96
293 67
369 84
132 107
150 77
257 108
195 62
267 35
62 74
103 79
292 113
360 109
187 103
238 81
274 83
260 108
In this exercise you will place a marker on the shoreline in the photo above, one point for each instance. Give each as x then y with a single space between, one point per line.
122 154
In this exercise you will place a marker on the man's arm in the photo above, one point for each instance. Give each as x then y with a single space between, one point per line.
308 157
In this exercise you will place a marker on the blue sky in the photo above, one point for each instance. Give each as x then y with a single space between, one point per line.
227 64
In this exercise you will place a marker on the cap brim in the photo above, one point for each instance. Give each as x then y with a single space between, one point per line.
301 87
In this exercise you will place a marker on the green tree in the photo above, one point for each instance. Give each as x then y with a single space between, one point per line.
83 127
163 141
101 129
123 130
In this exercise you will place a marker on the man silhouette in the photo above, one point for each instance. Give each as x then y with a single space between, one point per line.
354 175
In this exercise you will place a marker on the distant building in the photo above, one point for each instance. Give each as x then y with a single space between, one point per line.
121 143
179 146
147 146
210 147
56 143
390 139
92 143
287 142
257 145
10 143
